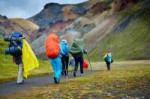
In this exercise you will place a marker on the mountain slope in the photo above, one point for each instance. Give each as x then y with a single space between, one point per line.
28 25
54 12
8 26
130 39
103 25
49 19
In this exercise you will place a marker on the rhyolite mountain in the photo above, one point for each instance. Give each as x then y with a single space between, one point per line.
7 26
77 20
58 17
118 25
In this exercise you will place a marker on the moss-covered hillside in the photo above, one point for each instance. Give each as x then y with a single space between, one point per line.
130 40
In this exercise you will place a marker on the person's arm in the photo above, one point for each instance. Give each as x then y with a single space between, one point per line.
105 56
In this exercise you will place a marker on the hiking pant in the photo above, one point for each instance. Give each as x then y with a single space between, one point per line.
108 65
78 59
65 62
57 67
20 73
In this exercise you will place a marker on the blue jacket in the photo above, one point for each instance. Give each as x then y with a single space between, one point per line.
64 48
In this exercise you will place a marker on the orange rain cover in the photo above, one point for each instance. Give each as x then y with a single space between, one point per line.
52 46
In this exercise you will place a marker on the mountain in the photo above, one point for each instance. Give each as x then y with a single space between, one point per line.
58 17
130 38
54 12
7 26
104 25
118 25
26 24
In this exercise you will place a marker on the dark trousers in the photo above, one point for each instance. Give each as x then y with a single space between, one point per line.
78 59
65 62
108 66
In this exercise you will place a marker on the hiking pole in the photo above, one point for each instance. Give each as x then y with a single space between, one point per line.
89 61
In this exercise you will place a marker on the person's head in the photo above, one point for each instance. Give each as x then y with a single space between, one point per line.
64 40
109 51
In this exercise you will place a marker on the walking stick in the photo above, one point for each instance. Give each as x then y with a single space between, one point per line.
89 61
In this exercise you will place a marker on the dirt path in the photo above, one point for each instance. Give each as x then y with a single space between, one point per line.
11 87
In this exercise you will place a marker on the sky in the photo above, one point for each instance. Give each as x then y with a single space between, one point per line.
27 8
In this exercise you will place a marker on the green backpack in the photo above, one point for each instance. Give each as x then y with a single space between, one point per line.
77 46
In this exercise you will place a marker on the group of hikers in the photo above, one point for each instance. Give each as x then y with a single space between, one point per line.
58 55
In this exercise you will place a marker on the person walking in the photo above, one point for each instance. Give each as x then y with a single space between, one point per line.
53 53
22 54
108 59
64 53
17 56
77 51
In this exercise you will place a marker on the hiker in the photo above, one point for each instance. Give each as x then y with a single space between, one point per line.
64 53
22 54
53 53
77 51
15 49
108 59
17 57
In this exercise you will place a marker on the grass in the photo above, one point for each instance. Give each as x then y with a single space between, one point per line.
9 70
130 43
123 81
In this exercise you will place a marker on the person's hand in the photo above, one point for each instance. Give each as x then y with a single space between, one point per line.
85 51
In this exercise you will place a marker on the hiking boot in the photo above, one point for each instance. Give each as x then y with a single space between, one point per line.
19 83
74 74
56 80
62 73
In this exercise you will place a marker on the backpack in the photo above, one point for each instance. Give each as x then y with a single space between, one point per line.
13 46
85 63
52 46
108 58
17 35
64 48
77 47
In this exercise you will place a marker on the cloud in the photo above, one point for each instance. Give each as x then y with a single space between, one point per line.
27 8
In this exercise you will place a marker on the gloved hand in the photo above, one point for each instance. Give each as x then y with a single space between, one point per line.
85 51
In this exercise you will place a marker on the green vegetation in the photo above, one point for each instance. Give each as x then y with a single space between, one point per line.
2 32
8 69
131 42
123 81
